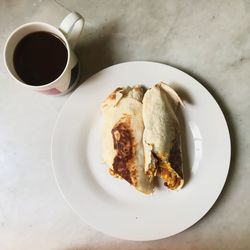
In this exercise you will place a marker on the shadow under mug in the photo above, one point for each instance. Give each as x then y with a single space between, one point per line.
69 32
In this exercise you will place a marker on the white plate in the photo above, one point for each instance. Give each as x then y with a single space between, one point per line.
111 205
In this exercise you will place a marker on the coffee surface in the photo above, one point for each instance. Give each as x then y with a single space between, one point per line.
40 58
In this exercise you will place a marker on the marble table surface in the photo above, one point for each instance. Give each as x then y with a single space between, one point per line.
210 40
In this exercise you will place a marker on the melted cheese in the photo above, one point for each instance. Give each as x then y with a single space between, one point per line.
152 171
169 175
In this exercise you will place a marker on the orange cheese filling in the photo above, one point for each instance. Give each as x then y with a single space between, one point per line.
151 172
167 173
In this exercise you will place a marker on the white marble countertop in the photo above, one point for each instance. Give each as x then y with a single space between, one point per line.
208 39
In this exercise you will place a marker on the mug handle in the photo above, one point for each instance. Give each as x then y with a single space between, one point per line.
71 26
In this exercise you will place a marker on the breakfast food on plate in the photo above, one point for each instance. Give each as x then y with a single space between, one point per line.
141 136
122 137
161 137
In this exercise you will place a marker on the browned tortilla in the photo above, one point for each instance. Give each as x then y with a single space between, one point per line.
122 137
124 144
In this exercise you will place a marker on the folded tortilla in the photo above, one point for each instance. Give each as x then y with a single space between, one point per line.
161 138
122 137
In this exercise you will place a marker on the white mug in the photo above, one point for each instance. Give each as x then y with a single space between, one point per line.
69 32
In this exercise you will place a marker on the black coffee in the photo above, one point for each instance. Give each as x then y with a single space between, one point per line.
40 58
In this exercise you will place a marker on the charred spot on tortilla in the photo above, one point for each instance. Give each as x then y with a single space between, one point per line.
175 158
124 161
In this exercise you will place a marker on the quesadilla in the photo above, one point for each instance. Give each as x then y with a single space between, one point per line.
161 137
122 137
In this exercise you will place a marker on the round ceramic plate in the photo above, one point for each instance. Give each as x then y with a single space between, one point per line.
111 205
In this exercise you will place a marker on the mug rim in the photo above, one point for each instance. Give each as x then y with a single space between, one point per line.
24 26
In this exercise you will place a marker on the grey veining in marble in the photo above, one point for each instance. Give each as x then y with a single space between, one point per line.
208 39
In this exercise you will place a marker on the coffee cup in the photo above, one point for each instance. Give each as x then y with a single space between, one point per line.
41 57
